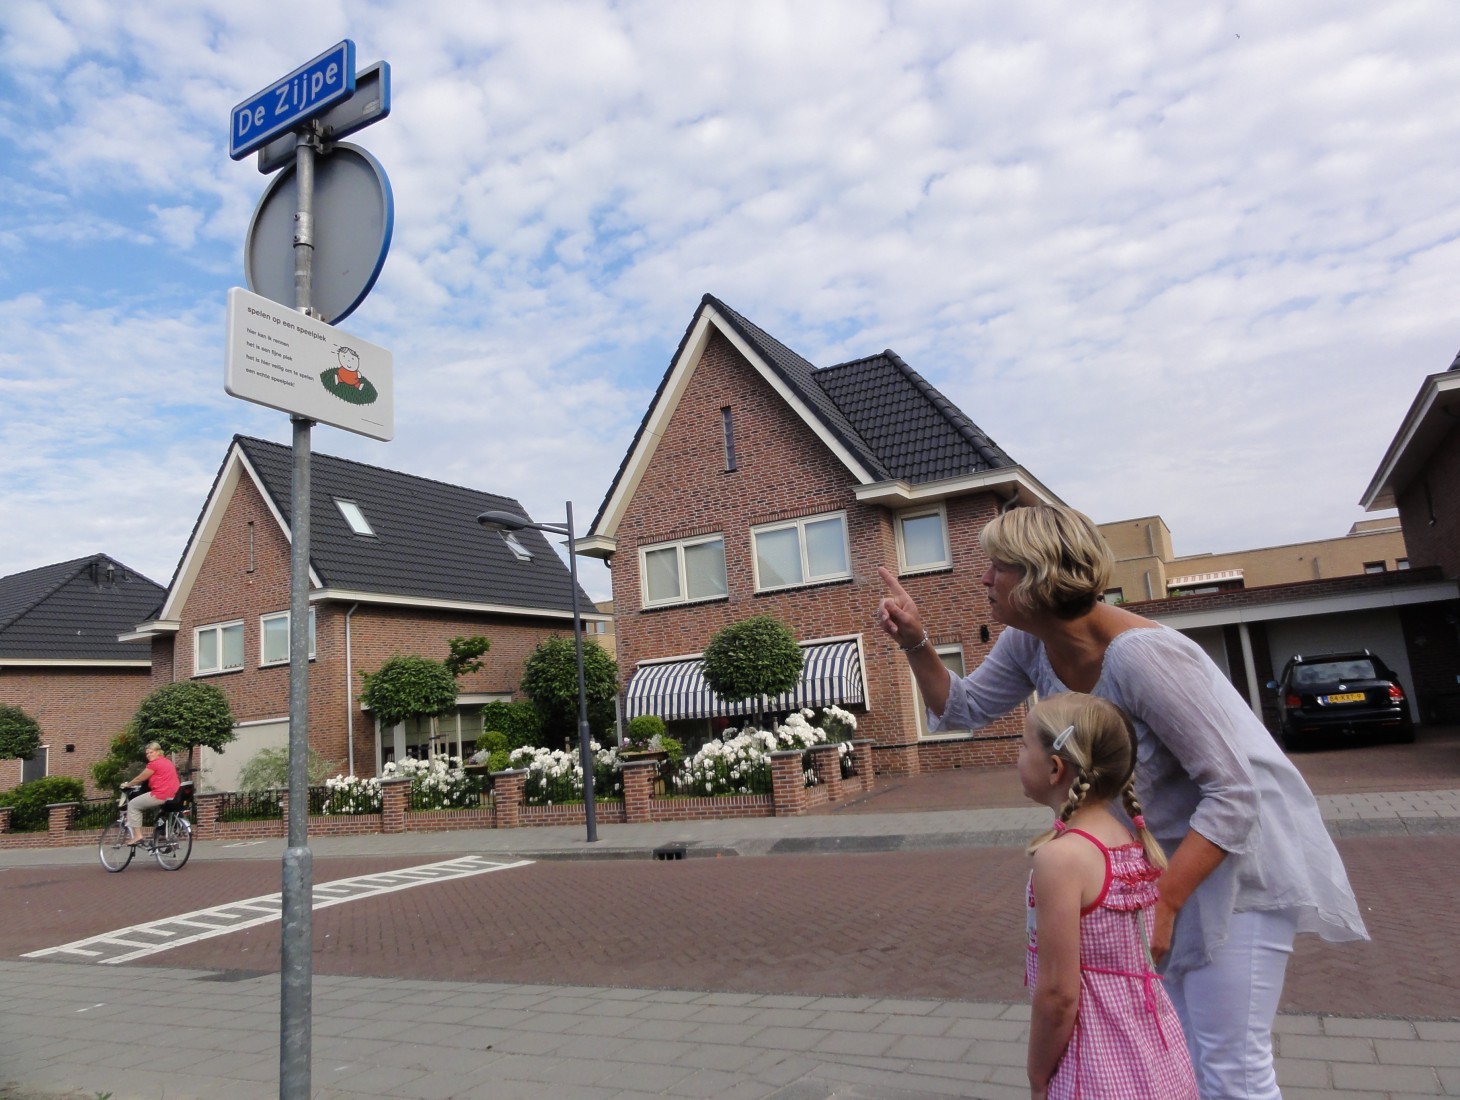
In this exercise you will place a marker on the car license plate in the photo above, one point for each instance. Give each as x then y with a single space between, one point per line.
1346 697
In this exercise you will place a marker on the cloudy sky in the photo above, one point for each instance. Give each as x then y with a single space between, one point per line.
1191 260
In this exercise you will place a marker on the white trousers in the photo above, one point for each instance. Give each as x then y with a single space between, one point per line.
144 801
1227 1007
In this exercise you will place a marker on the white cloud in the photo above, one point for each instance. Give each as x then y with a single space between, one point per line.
1167 258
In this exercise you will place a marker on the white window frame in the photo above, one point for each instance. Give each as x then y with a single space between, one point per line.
264 661
799 525
922 708
679 546
903 567
219 628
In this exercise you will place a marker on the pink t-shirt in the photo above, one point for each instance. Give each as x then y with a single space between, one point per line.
163 783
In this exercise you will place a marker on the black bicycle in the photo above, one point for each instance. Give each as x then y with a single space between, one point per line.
172 835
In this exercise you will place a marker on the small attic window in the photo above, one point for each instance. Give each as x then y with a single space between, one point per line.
354 517
515 545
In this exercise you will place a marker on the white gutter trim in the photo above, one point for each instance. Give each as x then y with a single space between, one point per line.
73 662
900 493
1316 605
389 600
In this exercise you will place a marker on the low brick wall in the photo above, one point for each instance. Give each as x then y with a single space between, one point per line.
790 797
722 808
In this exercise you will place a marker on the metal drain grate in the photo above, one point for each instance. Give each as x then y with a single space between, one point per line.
670 851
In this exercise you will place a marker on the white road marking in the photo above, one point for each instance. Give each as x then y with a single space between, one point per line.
223 919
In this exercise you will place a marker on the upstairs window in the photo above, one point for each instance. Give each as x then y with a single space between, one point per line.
274 638
803 551
684 571
922 540
354 517
217 648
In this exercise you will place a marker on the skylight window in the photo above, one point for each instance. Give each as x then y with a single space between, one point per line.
354 517
515 545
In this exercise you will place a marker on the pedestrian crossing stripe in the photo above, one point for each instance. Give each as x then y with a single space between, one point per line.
119 945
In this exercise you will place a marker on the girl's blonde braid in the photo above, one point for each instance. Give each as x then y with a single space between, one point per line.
1154 854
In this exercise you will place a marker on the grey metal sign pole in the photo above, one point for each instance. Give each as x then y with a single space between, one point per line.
295 964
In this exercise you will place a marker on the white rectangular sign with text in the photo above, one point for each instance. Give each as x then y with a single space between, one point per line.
280 358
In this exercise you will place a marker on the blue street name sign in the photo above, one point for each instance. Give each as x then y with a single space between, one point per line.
309 90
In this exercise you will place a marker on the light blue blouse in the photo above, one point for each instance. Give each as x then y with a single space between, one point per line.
1204 762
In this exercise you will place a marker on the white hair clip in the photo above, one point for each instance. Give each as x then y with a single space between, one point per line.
1059 742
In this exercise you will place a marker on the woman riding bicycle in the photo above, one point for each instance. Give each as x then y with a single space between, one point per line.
162 784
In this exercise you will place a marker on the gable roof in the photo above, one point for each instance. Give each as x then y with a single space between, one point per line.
1432 416
426 550
884 421
72 612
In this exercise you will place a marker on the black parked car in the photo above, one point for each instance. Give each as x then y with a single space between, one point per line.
1323 697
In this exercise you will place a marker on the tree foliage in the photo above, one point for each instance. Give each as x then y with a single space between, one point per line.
409 687
184 714
20 734
519 722
268 770
550 680
465 654
752 659
123 760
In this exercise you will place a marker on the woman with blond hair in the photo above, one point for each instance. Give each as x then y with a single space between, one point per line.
1251 863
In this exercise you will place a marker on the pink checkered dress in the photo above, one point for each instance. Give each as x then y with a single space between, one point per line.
1127 1043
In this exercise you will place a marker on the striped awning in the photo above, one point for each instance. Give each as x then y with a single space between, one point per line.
832 673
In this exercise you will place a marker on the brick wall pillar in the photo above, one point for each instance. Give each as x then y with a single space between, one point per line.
639 777
507 797
395 795
827 761
4 819
59 816
205 814
862 754
788 783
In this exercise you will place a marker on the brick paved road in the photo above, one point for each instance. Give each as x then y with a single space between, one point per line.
943 924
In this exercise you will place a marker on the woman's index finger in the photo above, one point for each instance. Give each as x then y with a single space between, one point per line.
890 582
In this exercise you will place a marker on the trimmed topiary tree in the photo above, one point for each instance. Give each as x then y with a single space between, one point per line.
184 715
751 660
550 680
20 734
409 687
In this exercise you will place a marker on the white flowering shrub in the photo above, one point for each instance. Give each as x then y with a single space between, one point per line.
740 762
436 784
350 794
555 776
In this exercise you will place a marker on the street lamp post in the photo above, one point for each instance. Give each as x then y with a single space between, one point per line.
511 521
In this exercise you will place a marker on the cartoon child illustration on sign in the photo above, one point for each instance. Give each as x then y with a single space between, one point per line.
346 382
349 372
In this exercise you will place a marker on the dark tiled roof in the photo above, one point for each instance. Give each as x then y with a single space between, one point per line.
888 417
427 542
916 432
73 611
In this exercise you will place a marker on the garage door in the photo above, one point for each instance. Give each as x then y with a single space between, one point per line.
220 769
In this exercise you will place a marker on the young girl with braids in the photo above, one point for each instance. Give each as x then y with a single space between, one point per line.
1102 1025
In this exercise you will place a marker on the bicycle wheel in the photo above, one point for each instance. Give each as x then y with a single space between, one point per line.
174 841
115 852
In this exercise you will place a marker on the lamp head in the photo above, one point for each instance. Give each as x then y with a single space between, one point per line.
504 521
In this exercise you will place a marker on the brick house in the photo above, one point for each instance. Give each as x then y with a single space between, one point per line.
61 662
759 483
398 565
1420 475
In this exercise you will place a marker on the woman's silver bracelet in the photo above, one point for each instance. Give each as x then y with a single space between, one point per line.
916 645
